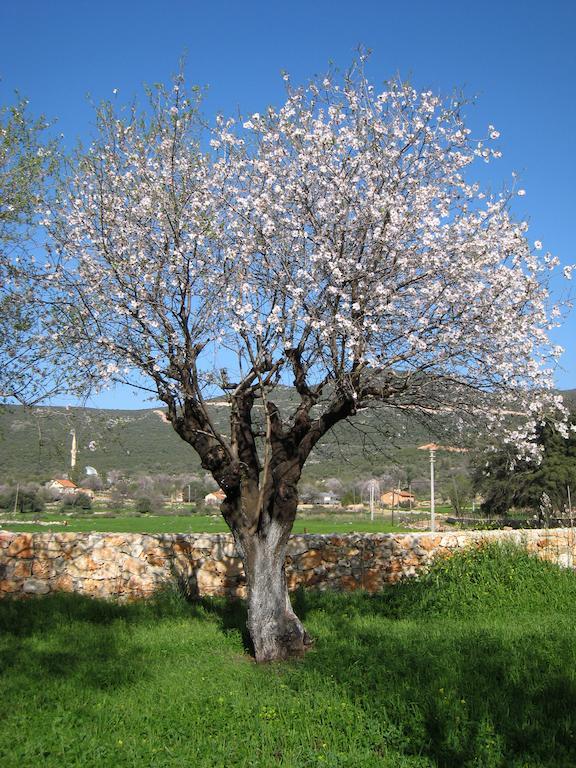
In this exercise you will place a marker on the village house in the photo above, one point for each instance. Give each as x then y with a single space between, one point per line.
215 498
398 498
328 500
64 486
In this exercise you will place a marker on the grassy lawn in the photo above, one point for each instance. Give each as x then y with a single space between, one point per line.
196 524
473 666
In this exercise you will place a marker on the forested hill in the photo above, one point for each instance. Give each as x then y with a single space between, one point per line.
35 442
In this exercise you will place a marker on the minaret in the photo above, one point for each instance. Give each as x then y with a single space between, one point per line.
73 450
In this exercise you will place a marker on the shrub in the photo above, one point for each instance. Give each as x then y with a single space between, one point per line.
149 505
83 501
71 503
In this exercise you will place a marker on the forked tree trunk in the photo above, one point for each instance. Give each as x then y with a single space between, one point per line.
276 632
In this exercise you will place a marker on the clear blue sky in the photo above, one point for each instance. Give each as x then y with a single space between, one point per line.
518 57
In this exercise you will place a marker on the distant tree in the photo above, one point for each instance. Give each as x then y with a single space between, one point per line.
76 501
420 485
23 500
459 492
83 501
195 491
28 162
339 242
92 483
309 494
333 485
498 480
505 482
348 498
410 473
117 500
149 505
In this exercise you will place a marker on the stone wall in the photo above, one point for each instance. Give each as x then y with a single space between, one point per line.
128 566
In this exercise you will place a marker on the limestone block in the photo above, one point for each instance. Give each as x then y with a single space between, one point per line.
114 540
228 550
309 559
296 546
42 569
104 553
214 566
156 557
203 542
429 543
331 554
352 552
133 565
83 565
20 569
21 546
209 583
372 580
10 586
349 584
97 588
35 587
293 581
64 583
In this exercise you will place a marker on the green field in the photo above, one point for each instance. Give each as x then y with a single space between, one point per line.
193 524
474 666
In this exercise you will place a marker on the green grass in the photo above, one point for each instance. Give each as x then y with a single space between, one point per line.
194 524
473 666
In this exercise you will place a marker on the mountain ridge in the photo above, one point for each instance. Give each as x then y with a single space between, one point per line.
35 442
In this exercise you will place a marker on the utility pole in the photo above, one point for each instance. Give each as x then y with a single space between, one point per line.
432 448
16 497
372 494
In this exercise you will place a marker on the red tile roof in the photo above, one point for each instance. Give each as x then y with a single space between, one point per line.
65 482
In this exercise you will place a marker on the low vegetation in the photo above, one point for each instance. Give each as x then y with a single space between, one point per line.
189 524
472 666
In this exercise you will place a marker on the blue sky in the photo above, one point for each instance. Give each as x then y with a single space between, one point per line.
518 58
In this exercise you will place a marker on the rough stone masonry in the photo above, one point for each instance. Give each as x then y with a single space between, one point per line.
128 566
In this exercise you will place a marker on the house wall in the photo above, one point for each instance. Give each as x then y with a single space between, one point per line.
131 566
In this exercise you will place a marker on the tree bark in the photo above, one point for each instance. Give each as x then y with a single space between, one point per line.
276 632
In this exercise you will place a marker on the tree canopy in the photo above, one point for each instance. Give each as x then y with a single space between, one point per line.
340 243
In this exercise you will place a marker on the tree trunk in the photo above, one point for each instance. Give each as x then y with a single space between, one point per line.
276 631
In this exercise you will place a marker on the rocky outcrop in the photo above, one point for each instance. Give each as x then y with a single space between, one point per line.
128 566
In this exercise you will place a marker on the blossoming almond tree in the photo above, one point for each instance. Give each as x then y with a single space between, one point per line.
339 244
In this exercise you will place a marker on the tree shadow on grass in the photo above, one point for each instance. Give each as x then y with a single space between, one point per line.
71 636
231 614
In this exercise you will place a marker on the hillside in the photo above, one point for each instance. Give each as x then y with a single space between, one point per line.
35 442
